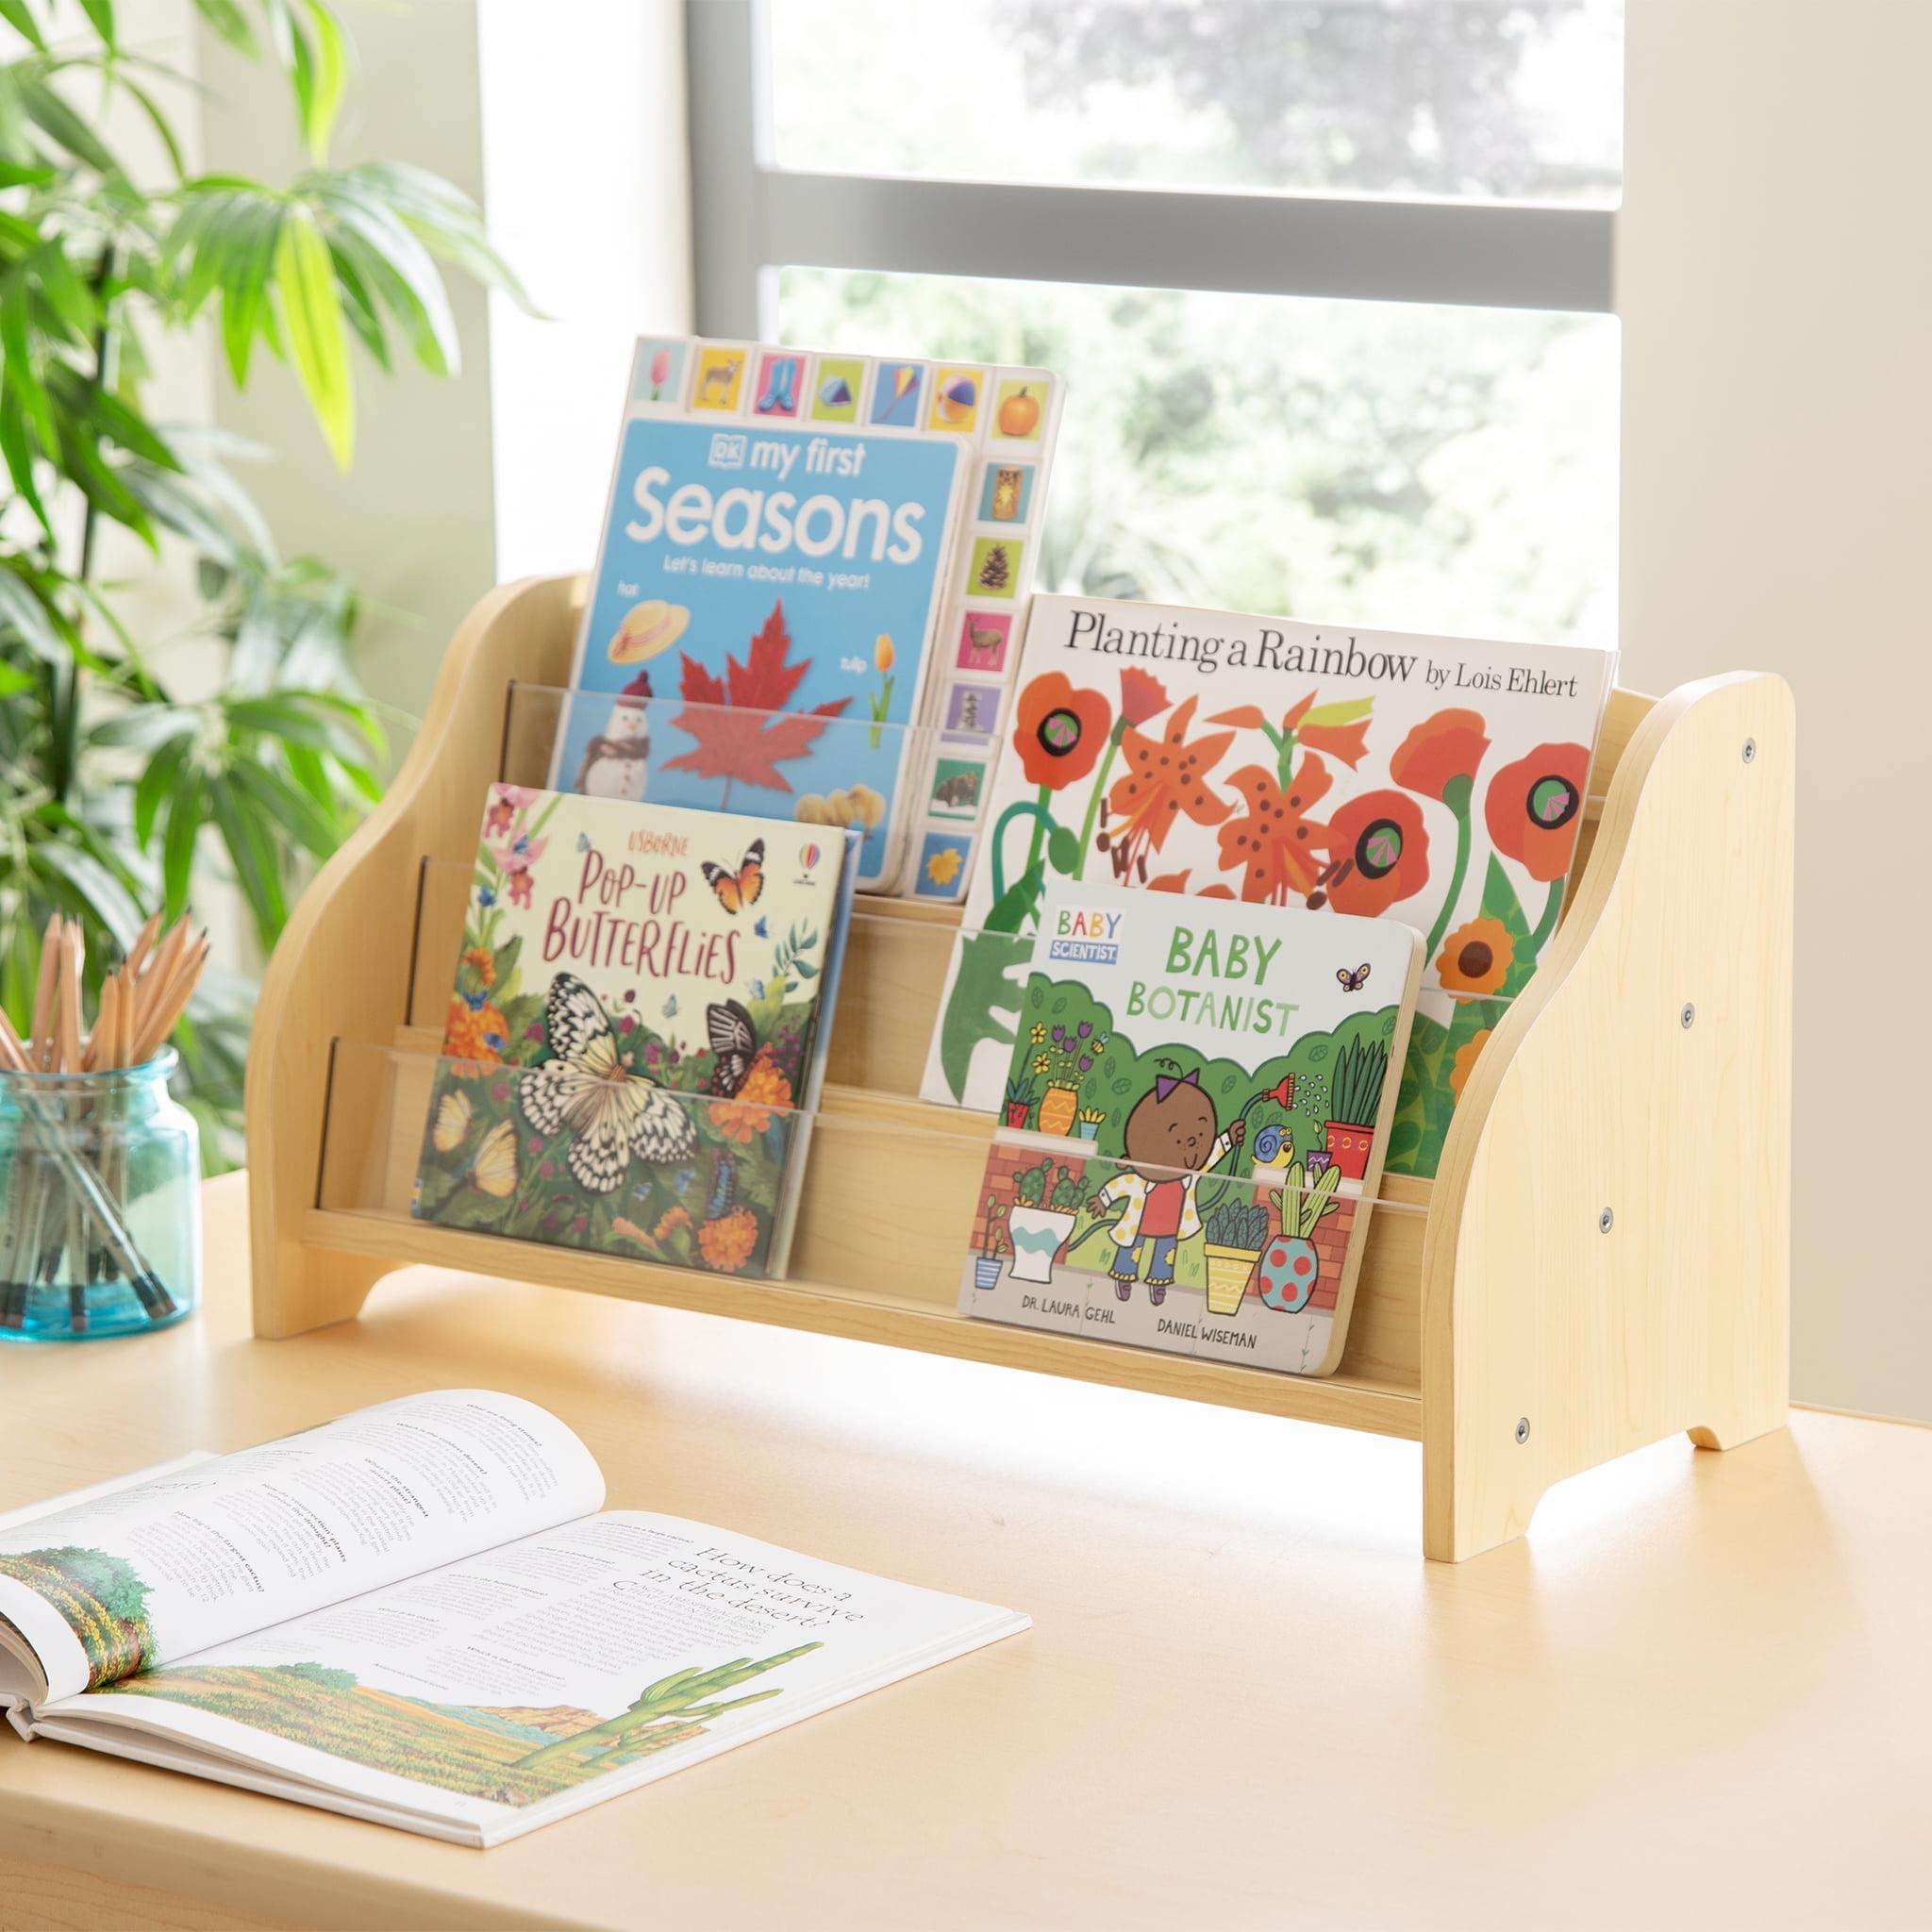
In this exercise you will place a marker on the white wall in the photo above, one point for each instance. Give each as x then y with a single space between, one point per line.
1775 281
414 521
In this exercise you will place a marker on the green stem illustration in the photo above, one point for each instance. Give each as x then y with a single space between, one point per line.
1456 795
1023 808
1099 792
1547 923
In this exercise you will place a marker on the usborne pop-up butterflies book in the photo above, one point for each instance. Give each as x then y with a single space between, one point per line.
843 544
637 1029
1438 781
1196 1112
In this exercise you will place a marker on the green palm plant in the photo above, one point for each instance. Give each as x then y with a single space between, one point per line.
119 793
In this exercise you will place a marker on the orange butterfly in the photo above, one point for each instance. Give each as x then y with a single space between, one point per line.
739 888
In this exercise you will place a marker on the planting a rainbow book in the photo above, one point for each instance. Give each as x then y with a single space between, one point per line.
808 591
1434 781
1195 1117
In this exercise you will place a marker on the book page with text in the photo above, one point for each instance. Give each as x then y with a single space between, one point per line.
123 1581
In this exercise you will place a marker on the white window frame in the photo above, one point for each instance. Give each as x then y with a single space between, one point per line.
751 217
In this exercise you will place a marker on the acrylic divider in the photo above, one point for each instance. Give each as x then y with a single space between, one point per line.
820 772
891 1204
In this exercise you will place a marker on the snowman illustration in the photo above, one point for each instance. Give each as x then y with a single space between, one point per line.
617 759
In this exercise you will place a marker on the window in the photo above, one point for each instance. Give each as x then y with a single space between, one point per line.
1329 279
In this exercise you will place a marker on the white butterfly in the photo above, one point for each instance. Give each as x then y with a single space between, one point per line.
609 1113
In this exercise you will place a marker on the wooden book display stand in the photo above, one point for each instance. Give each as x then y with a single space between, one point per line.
1603 1257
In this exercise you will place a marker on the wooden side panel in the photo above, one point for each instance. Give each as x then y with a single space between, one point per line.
342 969
1609 1256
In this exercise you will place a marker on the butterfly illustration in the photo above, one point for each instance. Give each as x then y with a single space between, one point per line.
494 1169
723 1187
733 1041
583 841
452 1122
587 1091
739 888
761 929
1352 981
671 1007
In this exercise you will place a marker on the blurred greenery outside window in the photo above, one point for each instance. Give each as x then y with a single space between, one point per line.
1423 465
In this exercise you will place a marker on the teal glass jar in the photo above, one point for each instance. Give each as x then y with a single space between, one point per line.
100 1203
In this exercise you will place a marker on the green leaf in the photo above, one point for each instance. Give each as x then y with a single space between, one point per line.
252 856
177 846
19 16
312 314
61 124
101 12
293 811
105 895
155 783
39 627
229 22
331 67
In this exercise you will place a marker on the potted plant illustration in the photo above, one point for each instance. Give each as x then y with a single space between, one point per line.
1236 1231
1019 1102
986 1264
1089 1123
1355 1099
1066 1060
1291 1267
1041 1219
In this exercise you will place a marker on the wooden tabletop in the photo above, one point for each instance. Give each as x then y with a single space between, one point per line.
1698 1694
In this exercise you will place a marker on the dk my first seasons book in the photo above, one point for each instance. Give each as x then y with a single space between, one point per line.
842 543
1195 1125
637 1028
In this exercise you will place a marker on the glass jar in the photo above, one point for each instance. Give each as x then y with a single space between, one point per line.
100 1203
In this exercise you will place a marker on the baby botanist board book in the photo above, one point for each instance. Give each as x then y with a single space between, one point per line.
422 1614
1437 781
637 1029
1195 1116
810 573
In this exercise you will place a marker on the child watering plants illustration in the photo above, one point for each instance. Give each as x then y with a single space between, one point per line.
1198 1099
1172 1130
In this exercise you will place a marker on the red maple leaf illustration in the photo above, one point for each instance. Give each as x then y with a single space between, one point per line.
739 724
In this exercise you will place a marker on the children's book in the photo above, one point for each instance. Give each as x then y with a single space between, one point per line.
422 1614
637 1029
1196 1115
837 545
1437 781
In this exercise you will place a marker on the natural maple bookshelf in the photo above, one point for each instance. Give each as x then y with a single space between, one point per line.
1602 1258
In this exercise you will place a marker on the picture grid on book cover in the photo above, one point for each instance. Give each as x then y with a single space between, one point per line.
1436 781
636 1028
1193 1123
841 543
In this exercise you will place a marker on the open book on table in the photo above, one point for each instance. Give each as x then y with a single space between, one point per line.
421 1614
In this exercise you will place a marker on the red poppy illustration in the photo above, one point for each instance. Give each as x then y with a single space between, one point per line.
1142 694
1165 778
1533 806
1441 750
1059 730
1379 851
1276 845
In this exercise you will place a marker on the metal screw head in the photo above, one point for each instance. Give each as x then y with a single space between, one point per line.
1522 1429
1750 749
1604 1222
1689 1016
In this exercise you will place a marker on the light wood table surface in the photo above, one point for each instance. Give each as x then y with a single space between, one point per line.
1697 1695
